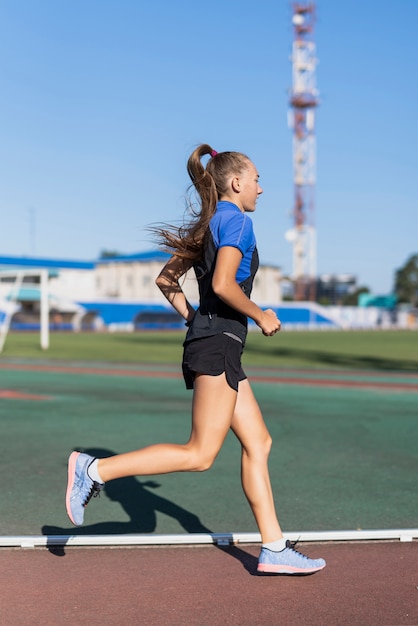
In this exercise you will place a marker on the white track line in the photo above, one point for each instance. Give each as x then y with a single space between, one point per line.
33 541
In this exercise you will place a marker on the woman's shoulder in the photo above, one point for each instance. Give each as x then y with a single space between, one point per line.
229 213
234 220
233 228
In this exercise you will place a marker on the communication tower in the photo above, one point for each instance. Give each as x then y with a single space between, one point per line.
303 100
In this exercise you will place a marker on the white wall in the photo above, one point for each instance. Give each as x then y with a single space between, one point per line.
74 284
366 317
135 282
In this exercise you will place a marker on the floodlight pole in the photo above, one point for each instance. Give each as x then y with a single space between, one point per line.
303 100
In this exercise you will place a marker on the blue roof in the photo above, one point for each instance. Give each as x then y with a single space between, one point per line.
142 257
39 263
17 262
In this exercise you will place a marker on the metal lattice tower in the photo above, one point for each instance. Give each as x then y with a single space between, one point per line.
303 100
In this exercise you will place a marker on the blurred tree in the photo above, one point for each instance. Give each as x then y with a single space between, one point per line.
109 254
406 281
324 301
351 299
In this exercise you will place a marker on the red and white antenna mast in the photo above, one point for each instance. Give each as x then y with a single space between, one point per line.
303 100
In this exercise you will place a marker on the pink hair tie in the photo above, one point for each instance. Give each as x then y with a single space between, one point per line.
213 153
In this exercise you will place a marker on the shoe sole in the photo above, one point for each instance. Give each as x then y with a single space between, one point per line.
287 569
71 477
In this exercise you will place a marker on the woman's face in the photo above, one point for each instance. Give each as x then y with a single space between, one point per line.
249 188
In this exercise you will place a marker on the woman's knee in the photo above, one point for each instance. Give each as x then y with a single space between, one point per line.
203 465
267 444
260 448
201 461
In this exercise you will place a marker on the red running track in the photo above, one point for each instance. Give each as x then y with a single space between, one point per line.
364 584
318 378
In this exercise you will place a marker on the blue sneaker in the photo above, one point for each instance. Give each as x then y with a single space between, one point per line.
287 561
80 488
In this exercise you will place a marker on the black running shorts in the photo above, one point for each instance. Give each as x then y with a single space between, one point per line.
213 355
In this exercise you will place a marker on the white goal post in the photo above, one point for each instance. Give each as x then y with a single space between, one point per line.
19 275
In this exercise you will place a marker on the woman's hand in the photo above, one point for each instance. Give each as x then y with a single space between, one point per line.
269 323
226 287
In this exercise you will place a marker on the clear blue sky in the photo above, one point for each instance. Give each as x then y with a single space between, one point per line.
102 101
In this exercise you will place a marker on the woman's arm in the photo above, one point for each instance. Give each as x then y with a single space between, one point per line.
225 286
168 282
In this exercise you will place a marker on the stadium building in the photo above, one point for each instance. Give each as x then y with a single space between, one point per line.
117 293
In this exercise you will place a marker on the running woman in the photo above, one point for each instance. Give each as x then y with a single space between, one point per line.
220 245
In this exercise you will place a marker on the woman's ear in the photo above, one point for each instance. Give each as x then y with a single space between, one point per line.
235 184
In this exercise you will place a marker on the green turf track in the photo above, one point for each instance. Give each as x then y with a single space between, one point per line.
342 458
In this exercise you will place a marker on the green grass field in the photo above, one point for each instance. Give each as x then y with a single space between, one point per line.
379 350
344 456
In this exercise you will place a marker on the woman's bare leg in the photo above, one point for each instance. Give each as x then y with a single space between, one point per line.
212 411
248 425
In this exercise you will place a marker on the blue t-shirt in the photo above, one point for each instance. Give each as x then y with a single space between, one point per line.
231 227
228 227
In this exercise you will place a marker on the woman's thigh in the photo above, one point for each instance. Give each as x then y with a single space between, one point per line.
212 412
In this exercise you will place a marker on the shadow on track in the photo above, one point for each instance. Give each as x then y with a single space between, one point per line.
352 361
141 505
